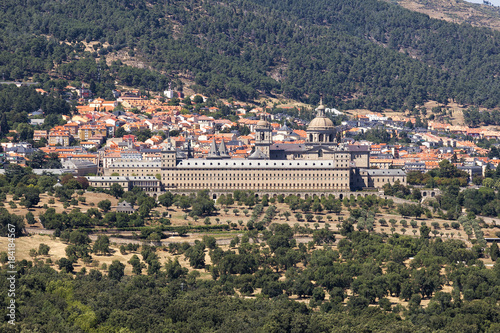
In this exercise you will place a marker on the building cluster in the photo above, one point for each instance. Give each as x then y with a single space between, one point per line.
428 146
186 151
319 163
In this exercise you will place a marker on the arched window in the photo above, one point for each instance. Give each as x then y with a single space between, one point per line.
320 153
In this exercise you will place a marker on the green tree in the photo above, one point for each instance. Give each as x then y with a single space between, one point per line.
4 126
66 265
116 270
167 199
120 132
317 207
424 231
104 205
31 199
174 270
101 245
183 202
43 249
30 218
416 194
116 190
78 237
196 255
494 252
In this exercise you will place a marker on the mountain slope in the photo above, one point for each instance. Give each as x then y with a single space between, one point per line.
358 53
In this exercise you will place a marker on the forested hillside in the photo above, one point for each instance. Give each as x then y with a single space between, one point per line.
251 288
357 53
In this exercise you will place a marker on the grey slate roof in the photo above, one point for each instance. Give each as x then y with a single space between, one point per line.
257 155
223 150
214 152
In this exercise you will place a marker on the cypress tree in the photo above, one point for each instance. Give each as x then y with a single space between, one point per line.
494 252
4 127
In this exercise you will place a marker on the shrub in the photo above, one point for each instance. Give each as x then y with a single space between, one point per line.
43 249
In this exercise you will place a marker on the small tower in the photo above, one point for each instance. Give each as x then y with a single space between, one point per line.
264 137
168 159
223 153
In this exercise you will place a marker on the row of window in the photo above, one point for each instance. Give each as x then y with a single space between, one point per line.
258 179
383 180
251 186
254 175
99 184
290 164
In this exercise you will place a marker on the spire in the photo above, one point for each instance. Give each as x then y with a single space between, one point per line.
213 148
214 152
321 108
223 150
189 155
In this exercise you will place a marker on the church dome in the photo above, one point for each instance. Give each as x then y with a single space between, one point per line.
320 124
262 123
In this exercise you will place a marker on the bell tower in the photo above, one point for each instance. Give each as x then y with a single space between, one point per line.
264 137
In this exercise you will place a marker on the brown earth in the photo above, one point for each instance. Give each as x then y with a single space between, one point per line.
91 201
456 11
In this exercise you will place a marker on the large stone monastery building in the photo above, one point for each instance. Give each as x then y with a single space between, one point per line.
322 164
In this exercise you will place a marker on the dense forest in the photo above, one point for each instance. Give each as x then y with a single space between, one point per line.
473 117
16 104
171 298
358 53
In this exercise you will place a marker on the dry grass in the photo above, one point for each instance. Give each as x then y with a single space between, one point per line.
91 201
455 11
457 117
179 217
24 244
58 251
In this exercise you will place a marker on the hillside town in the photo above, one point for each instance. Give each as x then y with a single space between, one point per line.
133 128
